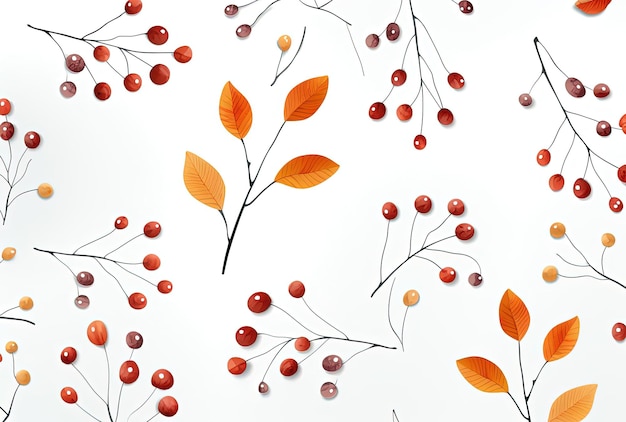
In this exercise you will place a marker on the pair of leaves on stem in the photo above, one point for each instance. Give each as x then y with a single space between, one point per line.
486 376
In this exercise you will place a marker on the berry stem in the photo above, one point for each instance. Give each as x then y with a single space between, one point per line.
89 384
289 64
141 405
323 320
11 405
94 241
601 274
321 8
355 50
521 368
105 24
106 354
389 314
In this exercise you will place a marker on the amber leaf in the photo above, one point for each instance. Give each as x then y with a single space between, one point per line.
514 316
306 171
235 111
483 374
561 340
204 182
592 7
573 405
305 98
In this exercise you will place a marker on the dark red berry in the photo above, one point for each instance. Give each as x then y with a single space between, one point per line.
575 87
601 90
377 111
243 30
582 188
419 142
372 41
423 204
393 31
616 204
456 80
445 116
398 77
231 10
525 100
390 211
466 7
603 128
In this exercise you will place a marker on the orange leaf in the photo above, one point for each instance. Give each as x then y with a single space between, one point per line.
306 171
235 111
592 7
514 316
483 374
561 340
305 98
204 182
573 405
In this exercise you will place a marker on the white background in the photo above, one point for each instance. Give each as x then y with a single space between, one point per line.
125 157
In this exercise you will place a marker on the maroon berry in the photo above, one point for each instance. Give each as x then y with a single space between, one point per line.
75 63
243 30
68 89
603 128
475 279
525 100
32 139
393 31
466 7
231 10
377 111
621 173
390 211
575 87
6 130
372 41
158 35
246 336
601 90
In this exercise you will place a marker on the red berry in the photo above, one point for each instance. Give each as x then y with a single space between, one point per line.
288 367
137 301
575 87
129 372
152 229
102 91
132 82
101 53
601 90
121 223
151 262
447 274
296 289
456 80
423 204
302 344
466 7
543 157
390 211
158 35
622 121
133 7
231 10
464 231
556 182
621 173
398 77
6 130
525 100
5 106
159 74
183 54
582 188
616 204
445 116
68 394
619 331
164 380
456 207
168 406
246 336
32 139
164 286
372 41
603 128
243 30
393 31
377 111
404 112
75 63
419 142
259 302
68 355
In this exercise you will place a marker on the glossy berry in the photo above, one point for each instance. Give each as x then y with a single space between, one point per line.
603 128
404 112
168 406
129 372
67 89
575 87
102 91
133 7
183 54
456 207
75 63
556 182
616 204
445 116
68 355
601 90
525 100
159 74
231 10
6 130
608 240
32 139
22 377
390 211
464 231
45 190
246 336
622 121
121 222
164 286
423 204
550 273
447 274
456 80
393 31
151 262
68 394
621 173
137 301
296 289
377 111
132 82
411 297
5 106
372 41
332 363
398 77
582 188
134 340
82 301
288 367
543 157
152 229
419 142
84 278
557 230
157 35
328 390
8 253
164 380
11 347
243 31
302 344
284 42
263 387
259 302
466 7
475 279
101 53
619 331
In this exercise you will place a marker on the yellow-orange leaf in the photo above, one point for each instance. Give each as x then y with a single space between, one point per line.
306 171
561 340
514 316
573 405
235 111
592 7
483 374
204 182
305 98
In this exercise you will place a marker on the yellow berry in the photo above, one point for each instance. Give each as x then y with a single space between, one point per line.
45 190
284 42
411 297
557 230
550 273
26 303
608 240
8 253
22 377
11 347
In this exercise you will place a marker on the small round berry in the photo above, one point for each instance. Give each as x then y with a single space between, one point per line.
284 42
8 253
159 74
68 355
456 207
68 89
456 80
75 63
475 279
129 372
603 128
11 347
419 142
32 139
22 377
6 130
296 289
243 31
411 297
575 88
302 344
152 229
550 273
398 77
543 157
168 406
263 387
390 211
404 112
466 7
101 53
81 301
84 278
556 182
377 111
134 340
5 106
447 274
616 204
231 10
288 367
45 190
328 390
137 300
133 7
259 302
157 35
393 31
68 394
601 90
183 54
464 231
608 240
164 286
151 262
619 331
26 303
557 230
621 173
102 91
121 222
445 116
246 336
332 363
132 82
525 100
372 41
423 204
164 380
582 188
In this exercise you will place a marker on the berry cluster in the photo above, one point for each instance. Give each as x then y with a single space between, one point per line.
162 379
404 112
84 279
486 376
100 48
22 378
463 232
246 336
575 88
12 174
205 183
